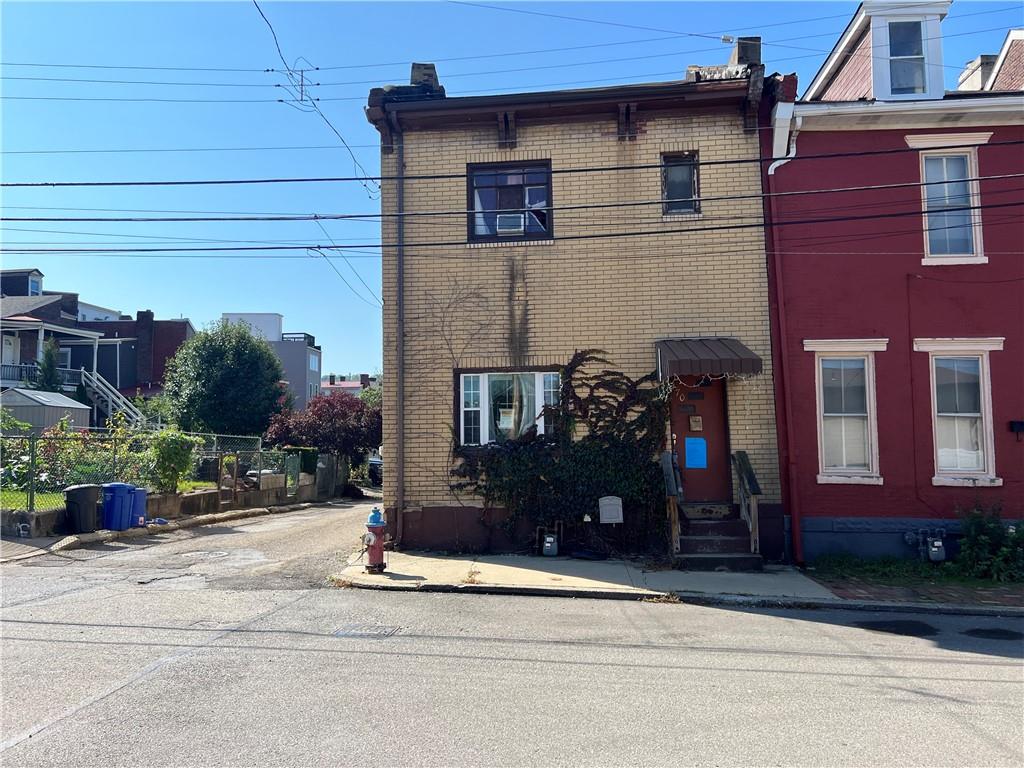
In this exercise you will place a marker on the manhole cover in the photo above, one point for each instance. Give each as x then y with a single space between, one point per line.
899 627
375 631
994 633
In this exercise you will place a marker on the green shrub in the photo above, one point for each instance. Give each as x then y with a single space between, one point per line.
172 451
989 549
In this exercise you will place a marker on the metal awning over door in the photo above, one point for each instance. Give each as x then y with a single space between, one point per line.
704 355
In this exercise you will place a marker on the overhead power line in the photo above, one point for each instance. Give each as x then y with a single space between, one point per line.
442 176
562 238
319 217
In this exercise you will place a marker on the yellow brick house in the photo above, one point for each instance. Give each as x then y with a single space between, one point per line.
521 228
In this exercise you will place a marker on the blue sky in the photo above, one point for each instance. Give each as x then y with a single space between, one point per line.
356 36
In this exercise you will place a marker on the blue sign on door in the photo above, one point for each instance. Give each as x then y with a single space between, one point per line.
696 449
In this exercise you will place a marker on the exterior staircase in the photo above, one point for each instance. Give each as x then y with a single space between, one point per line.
723 537
106 397
716 544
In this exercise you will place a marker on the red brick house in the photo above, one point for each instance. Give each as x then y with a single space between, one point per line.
898 320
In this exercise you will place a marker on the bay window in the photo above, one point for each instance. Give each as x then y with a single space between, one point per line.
500 406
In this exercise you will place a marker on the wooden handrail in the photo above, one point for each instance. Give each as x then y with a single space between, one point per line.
749 493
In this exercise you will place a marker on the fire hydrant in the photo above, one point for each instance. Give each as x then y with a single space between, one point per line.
373 540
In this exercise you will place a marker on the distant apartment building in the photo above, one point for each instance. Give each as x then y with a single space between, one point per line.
298 352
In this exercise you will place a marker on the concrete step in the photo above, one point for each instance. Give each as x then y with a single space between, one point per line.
720 562
714 545
728 527
698 510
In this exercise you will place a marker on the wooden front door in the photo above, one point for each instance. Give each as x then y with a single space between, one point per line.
701 436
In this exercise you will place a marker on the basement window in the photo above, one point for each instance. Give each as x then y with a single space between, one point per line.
509 202
679 183
500 406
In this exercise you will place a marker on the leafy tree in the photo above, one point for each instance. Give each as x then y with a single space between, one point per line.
156 409
48 377
340 423
371 396
226 380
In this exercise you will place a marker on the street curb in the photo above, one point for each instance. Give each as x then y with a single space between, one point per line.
690 598
101 537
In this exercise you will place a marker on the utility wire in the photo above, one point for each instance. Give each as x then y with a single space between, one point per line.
319 217
331 264
291 76
589 236
350 266
525 163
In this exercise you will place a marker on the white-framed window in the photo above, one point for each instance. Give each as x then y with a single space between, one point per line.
951 236
314 362
845 403
504 405
35 286
906 57
64 357
961 408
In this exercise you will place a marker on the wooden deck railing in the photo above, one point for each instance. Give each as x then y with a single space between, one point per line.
749 491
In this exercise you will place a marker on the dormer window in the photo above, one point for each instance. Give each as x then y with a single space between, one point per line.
35 286
906 57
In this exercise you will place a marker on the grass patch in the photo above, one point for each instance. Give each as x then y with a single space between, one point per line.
18 500
893 571
184 486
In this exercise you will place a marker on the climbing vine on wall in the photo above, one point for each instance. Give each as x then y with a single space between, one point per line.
608 431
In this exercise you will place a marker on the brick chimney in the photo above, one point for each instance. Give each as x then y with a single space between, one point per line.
333 379
144 346
425 75
975 73
747 51
364 380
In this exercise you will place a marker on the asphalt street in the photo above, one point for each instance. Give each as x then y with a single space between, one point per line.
225 646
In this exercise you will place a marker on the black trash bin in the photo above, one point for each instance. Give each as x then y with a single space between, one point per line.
81 502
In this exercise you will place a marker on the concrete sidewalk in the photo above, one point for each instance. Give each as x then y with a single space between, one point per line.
776 586
554 575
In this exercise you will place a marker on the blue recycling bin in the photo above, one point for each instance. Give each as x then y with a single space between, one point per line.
117 506
138 508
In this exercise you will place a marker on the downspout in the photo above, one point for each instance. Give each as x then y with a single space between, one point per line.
399 142
781 121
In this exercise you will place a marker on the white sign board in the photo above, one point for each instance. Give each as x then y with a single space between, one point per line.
610 508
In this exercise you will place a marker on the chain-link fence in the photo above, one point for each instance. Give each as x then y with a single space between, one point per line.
35 470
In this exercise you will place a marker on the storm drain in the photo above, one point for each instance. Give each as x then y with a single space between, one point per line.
371 631
994 633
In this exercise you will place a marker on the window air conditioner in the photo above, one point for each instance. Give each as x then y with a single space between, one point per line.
510 224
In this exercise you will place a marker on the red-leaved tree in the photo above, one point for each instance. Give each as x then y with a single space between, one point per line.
339 423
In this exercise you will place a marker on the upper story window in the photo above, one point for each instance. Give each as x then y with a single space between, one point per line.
35 286
510 202
314 362
952 230
679 183
906 57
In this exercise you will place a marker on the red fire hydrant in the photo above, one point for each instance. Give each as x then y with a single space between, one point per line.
373 539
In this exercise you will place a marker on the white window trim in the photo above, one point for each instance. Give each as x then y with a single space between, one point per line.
980 348
974 190
846 348
60 356
38 289
930 140
485 395
931 39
